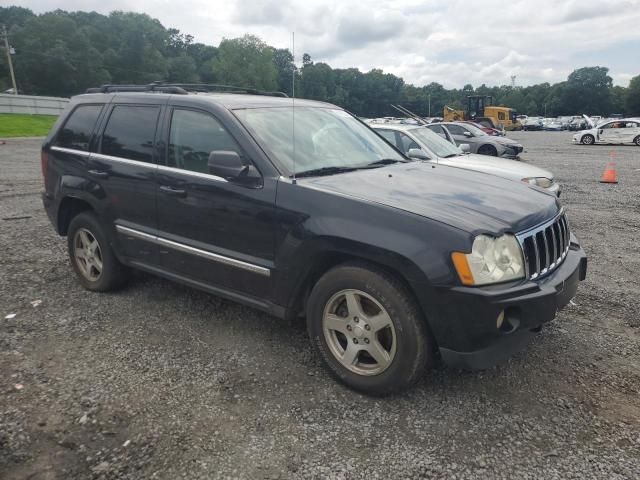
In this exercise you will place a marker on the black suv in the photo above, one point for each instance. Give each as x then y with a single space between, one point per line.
393 262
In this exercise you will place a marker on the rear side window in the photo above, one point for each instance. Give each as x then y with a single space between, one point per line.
193 136
130 132
456 129
77 130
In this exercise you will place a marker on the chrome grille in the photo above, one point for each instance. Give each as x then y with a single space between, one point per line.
545 246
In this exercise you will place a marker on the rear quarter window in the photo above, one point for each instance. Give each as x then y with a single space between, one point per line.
78 128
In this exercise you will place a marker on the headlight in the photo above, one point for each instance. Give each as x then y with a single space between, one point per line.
539 181
492 260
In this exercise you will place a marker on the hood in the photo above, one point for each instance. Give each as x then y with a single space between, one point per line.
589 121
471 201
505 141
496 166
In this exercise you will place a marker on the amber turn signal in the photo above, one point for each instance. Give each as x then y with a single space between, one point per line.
462 267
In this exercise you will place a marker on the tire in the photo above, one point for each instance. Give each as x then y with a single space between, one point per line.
91 255
371 310
637 140
488 150
587 140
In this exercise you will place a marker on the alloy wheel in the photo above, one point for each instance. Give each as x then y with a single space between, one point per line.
359 332
87 254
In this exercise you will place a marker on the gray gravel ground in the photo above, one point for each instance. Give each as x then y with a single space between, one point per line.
161 381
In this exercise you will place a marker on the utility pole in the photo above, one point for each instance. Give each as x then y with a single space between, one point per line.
8 49
429 105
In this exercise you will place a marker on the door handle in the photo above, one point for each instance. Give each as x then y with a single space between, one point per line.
98 173
174 192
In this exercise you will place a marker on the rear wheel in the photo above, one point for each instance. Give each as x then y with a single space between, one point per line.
637 140
368 329
588 140
91 256
488 150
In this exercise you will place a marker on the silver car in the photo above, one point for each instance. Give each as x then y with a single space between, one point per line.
421 143
479 142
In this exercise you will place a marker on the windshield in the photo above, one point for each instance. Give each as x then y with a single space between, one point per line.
325 138
435 143
475 130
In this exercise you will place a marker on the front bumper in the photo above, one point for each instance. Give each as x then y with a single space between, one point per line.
510 151
469 337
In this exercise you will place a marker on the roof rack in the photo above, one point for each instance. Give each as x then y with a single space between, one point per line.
212 87
158 87
182 89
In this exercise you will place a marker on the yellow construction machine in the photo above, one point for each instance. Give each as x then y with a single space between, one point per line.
480 109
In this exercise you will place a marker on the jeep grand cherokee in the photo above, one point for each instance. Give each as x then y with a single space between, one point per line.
393 262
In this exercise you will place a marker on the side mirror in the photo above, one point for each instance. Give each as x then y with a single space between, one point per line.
228 165
467 134
465 147
417 153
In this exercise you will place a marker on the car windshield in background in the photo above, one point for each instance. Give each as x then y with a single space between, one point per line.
434 142
325 138
475 130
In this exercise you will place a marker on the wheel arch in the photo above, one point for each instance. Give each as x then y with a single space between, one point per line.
331 255
70 207
488 147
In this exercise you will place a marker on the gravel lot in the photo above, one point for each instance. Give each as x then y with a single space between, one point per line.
161 381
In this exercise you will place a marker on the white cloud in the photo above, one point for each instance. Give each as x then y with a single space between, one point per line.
452 42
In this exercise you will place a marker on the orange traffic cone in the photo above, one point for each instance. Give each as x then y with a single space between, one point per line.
609 175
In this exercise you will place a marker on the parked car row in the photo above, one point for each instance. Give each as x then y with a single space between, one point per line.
466 133
422 143
393 255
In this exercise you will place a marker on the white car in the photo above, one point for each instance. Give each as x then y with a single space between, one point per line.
421 143
618 131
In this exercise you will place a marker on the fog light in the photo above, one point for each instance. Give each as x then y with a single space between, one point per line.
500 320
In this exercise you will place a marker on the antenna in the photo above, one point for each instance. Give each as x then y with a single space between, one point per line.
293 103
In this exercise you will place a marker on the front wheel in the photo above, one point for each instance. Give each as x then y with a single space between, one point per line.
637 140
368 329
588 140
488 150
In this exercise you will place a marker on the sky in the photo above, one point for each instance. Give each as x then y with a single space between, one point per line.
452 42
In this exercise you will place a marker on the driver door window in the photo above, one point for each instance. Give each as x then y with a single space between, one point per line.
407 143
389 135
193 136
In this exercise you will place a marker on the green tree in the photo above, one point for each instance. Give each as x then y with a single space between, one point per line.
283 61
632 101
588 90
246 61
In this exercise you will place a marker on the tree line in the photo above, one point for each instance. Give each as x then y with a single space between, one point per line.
62 53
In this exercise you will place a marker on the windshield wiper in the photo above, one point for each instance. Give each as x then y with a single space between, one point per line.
319 172
451 155
384 161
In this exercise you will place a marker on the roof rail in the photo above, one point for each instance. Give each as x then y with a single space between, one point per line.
209 87
158 87
182 88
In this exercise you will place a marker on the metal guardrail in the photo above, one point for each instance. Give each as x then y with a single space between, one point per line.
32 105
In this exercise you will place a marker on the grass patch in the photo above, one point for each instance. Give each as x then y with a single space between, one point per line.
18 125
